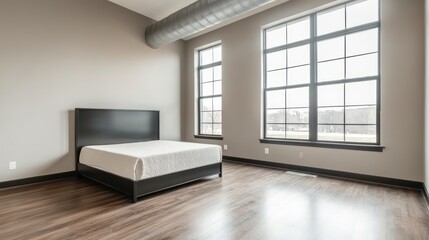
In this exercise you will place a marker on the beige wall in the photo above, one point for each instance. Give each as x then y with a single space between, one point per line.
56 55
402 94
426 162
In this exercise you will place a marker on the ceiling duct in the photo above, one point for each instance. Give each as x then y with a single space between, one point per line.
196 17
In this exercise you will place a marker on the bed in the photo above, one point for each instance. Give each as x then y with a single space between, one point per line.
122 150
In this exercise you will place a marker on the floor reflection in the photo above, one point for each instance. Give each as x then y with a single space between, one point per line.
293 214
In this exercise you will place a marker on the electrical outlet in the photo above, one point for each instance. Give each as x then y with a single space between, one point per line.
225 147
12 165
301 155
267 151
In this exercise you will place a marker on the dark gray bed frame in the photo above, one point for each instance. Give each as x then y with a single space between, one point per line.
110 126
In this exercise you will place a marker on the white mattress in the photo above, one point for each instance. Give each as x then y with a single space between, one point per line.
143 160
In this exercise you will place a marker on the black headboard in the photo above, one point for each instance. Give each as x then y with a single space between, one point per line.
110 126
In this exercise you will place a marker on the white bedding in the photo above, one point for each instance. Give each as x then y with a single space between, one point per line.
143 160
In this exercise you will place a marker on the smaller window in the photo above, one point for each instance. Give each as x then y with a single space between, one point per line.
210 91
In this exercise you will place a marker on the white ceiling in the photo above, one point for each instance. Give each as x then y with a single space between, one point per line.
159 9
155 9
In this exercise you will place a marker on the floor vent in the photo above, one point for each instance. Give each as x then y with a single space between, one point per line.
301 174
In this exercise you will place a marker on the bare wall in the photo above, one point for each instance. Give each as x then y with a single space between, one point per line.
426 157
402 93
56 55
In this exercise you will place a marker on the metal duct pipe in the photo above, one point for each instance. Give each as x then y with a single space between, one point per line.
196 17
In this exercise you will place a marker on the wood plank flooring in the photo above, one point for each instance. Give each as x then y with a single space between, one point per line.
248 202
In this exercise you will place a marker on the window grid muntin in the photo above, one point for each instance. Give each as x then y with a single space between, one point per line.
313 73
213 96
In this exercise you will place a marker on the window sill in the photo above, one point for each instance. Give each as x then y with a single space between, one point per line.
361 147
212 137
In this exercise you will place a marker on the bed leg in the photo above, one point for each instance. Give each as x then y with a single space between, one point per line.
220 174
134 193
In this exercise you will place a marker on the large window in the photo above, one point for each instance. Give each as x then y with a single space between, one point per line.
321 76
210 91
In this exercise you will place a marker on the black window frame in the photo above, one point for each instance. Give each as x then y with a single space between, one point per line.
313 84
201 67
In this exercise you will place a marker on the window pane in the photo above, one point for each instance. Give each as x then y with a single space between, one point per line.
217 103
217 88
331 70
362 66
367 134
217 129
207 89
298 75
217 54
276 36
276 60
331 20
276 99
344 57
330 115
362 42
276 78
362 12
361 93
330 49
297 115
361 115
276 131
206 56
298 30
207 117
298 55
206 128
207 75
217 73
330 95
276 116
331 133
297 97
217 117
206 104
209 84
294 131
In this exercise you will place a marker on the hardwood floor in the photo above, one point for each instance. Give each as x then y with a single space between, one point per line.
248 202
